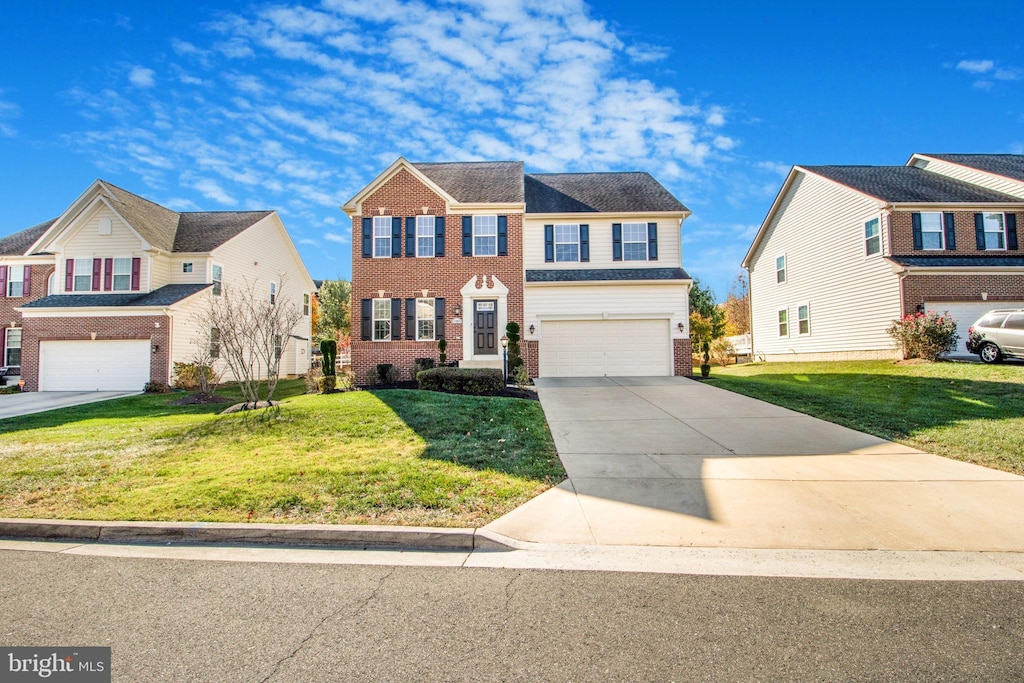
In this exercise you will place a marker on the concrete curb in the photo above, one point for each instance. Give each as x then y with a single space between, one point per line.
322 535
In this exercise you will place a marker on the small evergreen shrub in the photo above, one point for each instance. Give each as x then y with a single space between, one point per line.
156 388
442 357
515 354
328 383
421 364
472 381
924 335
386 373
329 349
187 375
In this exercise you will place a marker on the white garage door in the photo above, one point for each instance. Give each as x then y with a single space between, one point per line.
966 314
593 348
107 365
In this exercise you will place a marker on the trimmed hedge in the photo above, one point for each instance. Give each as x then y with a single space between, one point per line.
471 381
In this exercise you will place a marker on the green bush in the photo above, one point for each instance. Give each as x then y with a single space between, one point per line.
329 349
156 388
924 335
442 357
186 375
327 383
421 364
386 373
471 381
515 354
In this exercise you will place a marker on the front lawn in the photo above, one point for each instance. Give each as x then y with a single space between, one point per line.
965 411
365 457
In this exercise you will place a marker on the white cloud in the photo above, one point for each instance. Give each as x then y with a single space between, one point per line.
775 167
335 237
8 111
975 66
309 242
644 54
211 189
142 77
1004 74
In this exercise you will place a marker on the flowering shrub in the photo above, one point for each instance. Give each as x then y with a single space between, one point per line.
924 335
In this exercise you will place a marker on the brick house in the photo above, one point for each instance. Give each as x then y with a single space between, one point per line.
106 295
588 264
845 250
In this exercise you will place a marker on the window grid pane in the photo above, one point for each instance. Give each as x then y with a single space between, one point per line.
382 236
122 274
783 323
931 230
567 242
994 235
381 319
424 319
424 235
485 235
12 352
804 319
873 240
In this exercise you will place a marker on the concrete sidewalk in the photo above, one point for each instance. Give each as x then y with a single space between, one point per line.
29 402
676 462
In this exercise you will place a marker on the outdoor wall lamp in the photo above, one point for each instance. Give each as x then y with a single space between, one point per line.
458 310
156 348
532 329
680 326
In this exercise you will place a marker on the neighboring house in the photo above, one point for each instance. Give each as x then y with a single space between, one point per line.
106 295
845 250
588 264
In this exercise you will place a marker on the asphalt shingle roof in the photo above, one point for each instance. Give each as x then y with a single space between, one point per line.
606 274
597 193
18 243
909 184
155 223
1006 165
164 296
959 261
478 181
207 230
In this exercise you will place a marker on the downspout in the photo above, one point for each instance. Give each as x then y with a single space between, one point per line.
750 314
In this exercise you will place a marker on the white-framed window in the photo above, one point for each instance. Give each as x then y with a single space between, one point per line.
485 235
995 231
634 241
382 320
214 342
424 320
51 284
12 346
567 242
217 277
783 322
803 318
424 236
15 280
780 269
305 304
83 275
277 347
273 292
872 237
186 266
932 230
122 276
382 237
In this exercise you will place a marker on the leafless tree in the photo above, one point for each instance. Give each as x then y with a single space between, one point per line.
204 358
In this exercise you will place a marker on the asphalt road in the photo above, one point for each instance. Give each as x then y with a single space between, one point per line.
172 620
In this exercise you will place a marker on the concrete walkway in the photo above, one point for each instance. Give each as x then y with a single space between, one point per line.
676 462
26 403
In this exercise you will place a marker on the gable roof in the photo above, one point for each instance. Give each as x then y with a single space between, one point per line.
498 182
632 192
163 296
156 224
1006 165
18 243
207 230
907 184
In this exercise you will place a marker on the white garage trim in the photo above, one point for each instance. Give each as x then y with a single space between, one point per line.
966 313
100 365
613 347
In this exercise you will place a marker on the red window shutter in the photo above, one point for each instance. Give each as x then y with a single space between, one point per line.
136 271
97 267
108 274
69 275
26 288
3 281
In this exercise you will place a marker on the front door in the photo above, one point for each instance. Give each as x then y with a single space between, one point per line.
485 325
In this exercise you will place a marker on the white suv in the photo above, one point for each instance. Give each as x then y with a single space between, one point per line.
997 334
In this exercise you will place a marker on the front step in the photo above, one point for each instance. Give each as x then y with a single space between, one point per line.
478 363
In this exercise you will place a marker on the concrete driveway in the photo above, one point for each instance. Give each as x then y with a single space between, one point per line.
26 403
676 462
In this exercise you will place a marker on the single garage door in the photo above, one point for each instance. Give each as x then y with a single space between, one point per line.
107 365
966 314
593 348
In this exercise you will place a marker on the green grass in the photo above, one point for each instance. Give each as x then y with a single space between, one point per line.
964 411
381 457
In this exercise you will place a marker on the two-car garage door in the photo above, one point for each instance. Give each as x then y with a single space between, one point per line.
593 348
966 314
104 365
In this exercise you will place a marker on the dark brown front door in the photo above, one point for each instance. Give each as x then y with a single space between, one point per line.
485 324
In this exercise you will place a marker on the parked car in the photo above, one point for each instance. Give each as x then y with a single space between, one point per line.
998 334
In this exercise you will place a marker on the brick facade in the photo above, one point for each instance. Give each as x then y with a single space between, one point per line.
404 195
901 236
11 318
107 327
917 289
682 352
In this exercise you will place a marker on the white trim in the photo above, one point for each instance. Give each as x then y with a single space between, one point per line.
354 206
7 331
473 234
555 242
784 270
881 249
491 288
374 238
374 319
941 231
432 319
646 242
432 236
779 323
799 332
1001 232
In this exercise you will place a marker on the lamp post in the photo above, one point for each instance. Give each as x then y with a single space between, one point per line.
504 357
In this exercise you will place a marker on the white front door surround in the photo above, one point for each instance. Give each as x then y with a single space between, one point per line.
482 287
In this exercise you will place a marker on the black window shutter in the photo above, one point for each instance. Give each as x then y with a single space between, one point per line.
549 244
396 237
1011 238
367 324
439 318
652 241
979 231
950 223
396 318
616 241
584 243
915 218
410 318
439 236
502 235
410 236
367 237
467 235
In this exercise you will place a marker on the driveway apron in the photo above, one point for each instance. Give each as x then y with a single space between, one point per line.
669 461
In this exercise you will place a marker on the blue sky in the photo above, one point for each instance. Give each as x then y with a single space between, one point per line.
217 105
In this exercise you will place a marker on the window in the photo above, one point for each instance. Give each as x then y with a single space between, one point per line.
424 320
273 292
83 275
15 280
783 322
780 269
931 230
382 320
424 236
634 241
1014 322
872 237
186 267
122 274
214 342
382 237
485 235
995 231
803 317
51 284
305 304
218 278
277 347
567 242
12 347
